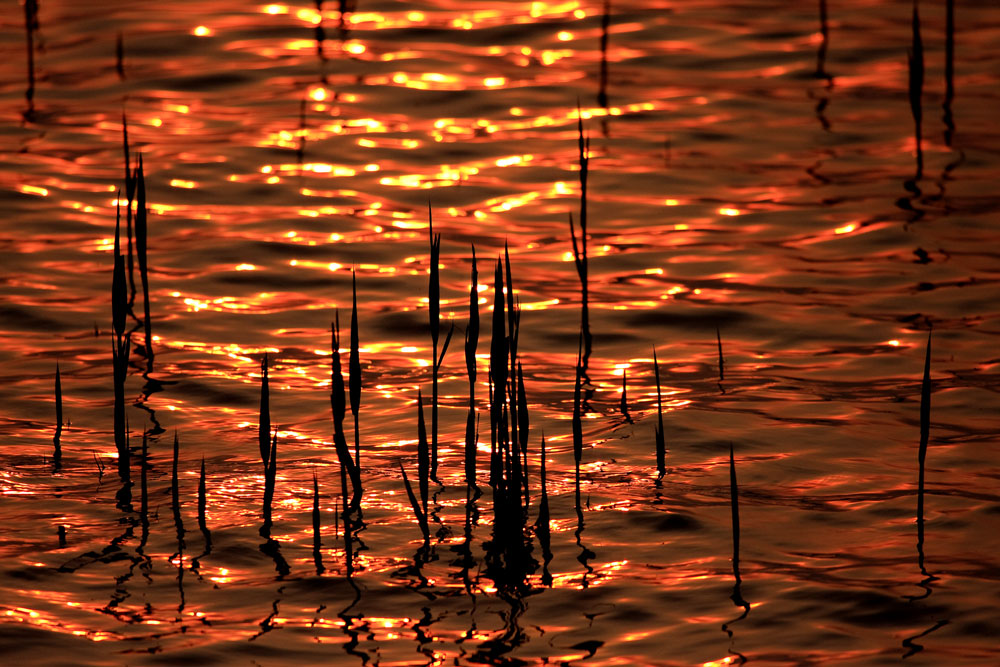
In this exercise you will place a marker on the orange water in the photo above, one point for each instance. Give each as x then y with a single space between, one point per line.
731 186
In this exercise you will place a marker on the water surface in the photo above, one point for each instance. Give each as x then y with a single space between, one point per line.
747 175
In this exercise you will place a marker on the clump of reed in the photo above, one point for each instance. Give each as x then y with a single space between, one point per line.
508 552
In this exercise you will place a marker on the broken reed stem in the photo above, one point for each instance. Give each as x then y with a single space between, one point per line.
415 504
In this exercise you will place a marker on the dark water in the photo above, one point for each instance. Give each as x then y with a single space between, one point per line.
746 175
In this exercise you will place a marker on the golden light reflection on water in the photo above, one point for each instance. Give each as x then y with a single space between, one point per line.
687 234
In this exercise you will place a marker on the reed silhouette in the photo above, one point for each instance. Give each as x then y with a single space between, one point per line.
317 540
354 369
471 344
580 246
202 520
465 560
140 254
130 184
737 595
734 503
56 444
424 457
498 375
585 555
542 522
120 357
523 427
518 441
175 507
434 317
268 444
661 448
175 500
338 407
925 425
417 505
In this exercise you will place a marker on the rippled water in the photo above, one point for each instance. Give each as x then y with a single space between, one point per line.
746 175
